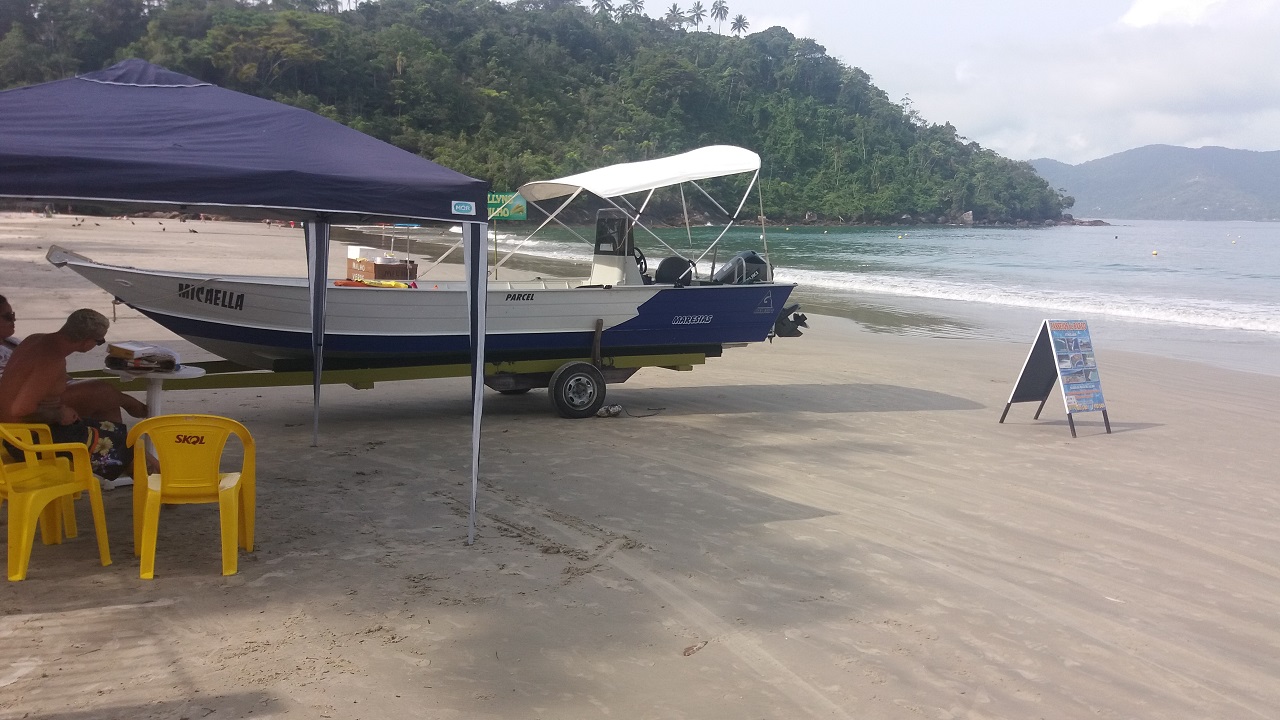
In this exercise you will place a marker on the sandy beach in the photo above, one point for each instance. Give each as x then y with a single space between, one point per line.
831 526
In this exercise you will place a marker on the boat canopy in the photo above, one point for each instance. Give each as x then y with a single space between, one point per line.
615 180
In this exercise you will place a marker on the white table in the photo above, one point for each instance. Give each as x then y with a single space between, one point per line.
155 383
155 399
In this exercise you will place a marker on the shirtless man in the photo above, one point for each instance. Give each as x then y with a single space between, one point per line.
97 399
32 387
36 376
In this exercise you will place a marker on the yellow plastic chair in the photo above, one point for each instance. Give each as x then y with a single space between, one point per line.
53 525
40 489
190 448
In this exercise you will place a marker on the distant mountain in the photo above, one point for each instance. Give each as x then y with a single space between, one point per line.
1163 182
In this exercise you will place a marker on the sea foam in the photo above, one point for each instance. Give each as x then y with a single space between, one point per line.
1260 317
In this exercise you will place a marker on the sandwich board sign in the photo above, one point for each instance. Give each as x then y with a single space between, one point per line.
1063 351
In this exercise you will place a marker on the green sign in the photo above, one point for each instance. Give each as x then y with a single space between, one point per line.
507 206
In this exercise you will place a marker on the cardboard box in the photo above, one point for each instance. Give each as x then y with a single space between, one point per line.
365 269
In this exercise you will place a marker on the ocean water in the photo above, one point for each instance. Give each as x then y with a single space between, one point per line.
1208 292
1201 291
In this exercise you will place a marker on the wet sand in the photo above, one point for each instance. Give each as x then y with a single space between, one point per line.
829 526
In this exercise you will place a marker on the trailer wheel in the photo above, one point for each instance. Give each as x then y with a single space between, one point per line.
577 390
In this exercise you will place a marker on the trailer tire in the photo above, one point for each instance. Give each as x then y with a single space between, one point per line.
577 390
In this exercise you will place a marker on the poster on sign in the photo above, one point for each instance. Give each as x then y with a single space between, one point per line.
1073 351
1062 352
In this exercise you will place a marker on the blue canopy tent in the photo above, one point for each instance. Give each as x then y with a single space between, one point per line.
137 136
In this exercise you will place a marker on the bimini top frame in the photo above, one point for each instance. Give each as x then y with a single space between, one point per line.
614 182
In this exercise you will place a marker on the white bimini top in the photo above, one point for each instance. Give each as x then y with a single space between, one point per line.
626 178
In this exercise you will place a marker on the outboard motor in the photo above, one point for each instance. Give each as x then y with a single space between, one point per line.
743 269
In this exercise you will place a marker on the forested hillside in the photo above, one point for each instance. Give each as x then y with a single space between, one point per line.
1163 182
532 89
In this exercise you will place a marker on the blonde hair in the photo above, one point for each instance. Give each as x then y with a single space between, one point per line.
85 324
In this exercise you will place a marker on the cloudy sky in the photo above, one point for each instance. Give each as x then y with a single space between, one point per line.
1071 81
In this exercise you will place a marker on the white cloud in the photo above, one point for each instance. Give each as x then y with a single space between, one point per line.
1031 79
1083 96
1144 13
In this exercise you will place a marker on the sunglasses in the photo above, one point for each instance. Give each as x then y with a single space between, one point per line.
11 317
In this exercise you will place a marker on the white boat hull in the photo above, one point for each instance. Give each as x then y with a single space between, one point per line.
265 322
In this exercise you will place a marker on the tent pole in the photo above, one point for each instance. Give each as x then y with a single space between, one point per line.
475 234
317 233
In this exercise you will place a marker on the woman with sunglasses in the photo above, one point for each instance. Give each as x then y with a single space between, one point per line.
8 322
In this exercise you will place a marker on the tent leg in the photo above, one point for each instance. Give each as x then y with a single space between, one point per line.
475 233
317 233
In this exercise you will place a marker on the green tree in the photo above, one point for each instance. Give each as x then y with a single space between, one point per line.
630 8
262 48
514 90
696 14
22 62
675 17
739 25
719 13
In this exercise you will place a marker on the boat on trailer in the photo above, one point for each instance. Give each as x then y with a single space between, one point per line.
570 335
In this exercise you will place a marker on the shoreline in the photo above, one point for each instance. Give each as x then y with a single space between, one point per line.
1236 350
942 319
834 526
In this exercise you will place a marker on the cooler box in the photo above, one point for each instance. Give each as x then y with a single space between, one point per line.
367 269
